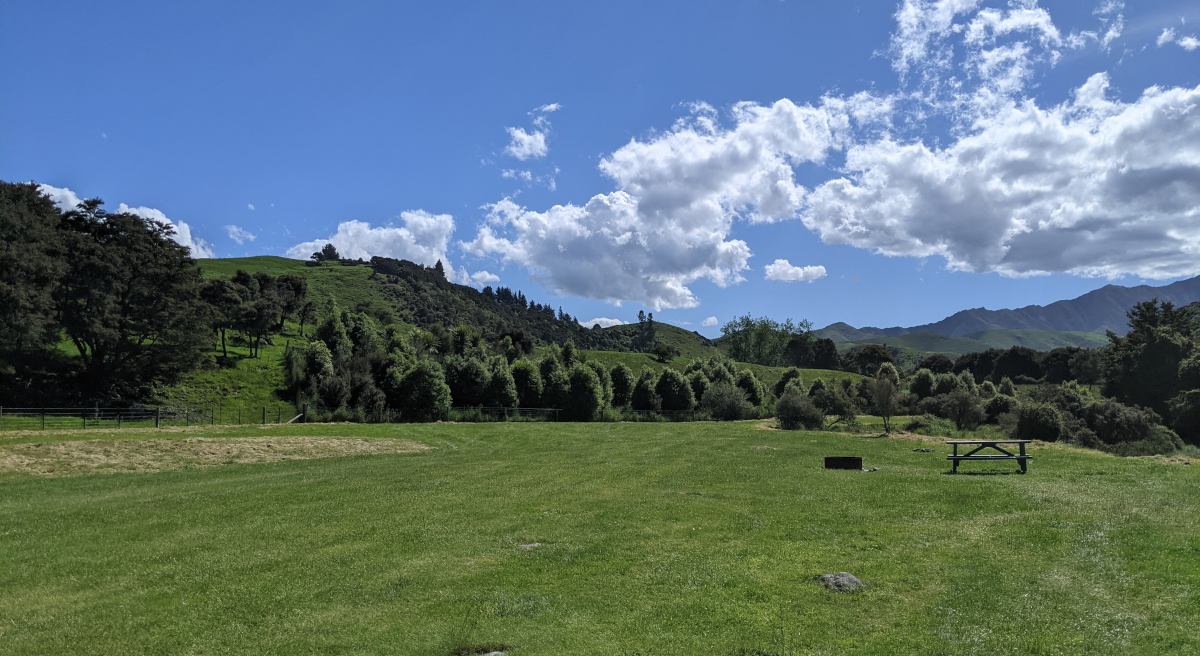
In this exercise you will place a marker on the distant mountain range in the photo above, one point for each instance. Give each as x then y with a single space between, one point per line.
1079 321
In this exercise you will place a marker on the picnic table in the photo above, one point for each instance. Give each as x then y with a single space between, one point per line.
995 445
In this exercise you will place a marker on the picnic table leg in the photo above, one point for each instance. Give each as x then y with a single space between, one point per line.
1022 460
954 462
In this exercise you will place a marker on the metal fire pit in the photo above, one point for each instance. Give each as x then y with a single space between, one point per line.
843 462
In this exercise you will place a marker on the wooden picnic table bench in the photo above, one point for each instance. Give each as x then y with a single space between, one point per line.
1003 454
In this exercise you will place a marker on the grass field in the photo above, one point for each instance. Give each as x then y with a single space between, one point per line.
583 539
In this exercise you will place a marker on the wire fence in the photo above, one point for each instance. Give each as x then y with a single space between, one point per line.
22 419
13 419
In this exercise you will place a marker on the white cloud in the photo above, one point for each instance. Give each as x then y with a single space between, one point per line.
239 234
605 322
1165 37
250 206
784 271
668 222
525 145
1188 42
62 197
548 108
183 236
484 278
709 322
423 238
1092 187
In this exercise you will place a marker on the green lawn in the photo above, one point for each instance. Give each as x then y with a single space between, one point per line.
698 538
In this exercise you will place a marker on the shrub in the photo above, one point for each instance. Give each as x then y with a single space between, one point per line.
817 387
725 401
424 395
987 390
674 392
699 383
749 384
622 385
921 384
1038 421
528 382
998 405
501 389
885 397
1185 413
644 398
963 408
467 379
791 374
585 397
556 388
1189 372
794 410
1160 440
1114 422
1006 387
945 383
604 378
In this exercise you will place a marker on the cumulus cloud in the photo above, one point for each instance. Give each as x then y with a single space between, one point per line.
481 278
1188 42
62 197
668 222
422 237
709 322
784 271
183 236
605 322
239 234
525 145
1093 186
251 207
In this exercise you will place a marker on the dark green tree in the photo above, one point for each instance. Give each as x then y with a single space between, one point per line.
31 265
528 382
674 392
585 398
129 301
622 385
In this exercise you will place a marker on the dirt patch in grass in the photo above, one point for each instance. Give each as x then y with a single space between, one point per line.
112 456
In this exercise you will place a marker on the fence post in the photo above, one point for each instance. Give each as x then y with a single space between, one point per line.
304 412
187 417
212 416
118 419
279 415
83 416
157 417
264 417
1 416
239 415
43 420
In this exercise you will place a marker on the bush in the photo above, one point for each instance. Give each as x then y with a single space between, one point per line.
424 395
501 389
1006 387
699 383
749 384
1114 422
1185 413
791 374
528 382
604 378
921 384
964 408
556 388
622 385
467 378
644 398
585 397
998 405
794 410
888 370
987 390
1160 440
944 384
1038 421
674 392
726 402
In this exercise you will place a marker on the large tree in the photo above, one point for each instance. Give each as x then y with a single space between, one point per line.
31 265
129 301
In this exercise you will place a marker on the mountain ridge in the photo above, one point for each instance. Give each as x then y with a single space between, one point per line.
1096 311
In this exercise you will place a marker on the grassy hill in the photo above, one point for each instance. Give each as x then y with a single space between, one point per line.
552 539
923 342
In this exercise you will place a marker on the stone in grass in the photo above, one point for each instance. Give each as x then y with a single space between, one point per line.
841 582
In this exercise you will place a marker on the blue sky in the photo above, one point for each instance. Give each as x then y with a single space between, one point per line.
871 162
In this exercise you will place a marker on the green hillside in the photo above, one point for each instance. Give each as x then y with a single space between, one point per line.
1038 340
690 344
